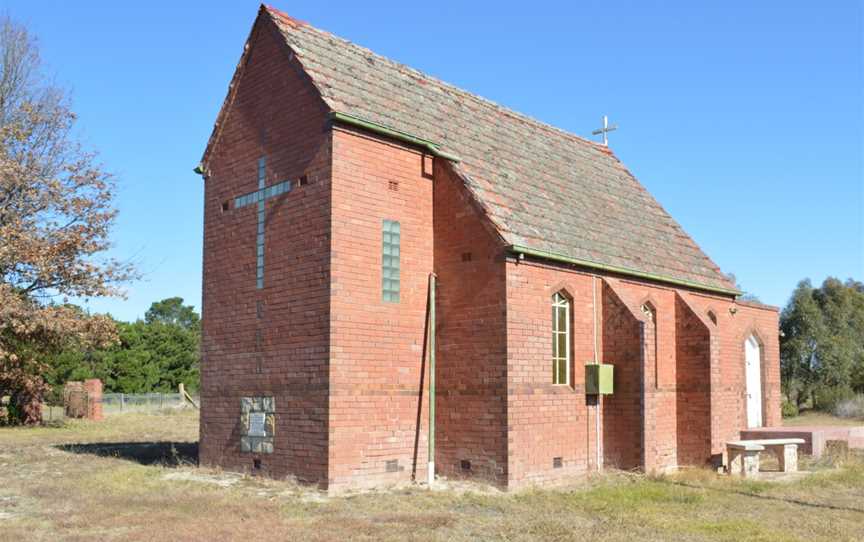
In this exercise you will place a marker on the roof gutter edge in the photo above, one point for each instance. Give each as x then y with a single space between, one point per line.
521 250
380 129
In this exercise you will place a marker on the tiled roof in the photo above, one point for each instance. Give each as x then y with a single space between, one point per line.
542 188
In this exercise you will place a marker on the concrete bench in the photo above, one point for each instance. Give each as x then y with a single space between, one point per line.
743 457
786 450
744 454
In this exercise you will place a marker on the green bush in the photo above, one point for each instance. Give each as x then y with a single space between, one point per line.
827 399
789 409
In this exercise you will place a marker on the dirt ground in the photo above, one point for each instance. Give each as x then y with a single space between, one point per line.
133 477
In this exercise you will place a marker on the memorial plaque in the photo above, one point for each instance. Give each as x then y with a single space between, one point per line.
257 427
258 424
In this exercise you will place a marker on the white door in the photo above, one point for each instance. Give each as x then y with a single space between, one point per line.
753 358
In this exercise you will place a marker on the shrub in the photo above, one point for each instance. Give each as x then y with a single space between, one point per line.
828 398
789 409
850 408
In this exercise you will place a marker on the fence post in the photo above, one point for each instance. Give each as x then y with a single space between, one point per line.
122 402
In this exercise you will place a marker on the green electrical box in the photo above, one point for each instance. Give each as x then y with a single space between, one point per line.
598 379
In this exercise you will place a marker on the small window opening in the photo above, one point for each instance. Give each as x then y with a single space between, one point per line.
648 311
256 464
226 205
303 180
712 317
465 465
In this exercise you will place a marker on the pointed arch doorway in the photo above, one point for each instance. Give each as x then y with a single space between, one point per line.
753 360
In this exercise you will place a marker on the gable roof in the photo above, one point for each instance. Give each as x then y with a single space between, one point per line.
548 193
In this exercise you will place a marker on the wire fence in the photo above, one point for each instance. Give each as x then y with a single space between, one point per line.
117 403
120 403
53 413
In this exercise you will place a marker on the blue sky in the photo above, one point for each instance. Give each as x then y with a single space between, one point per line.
744 119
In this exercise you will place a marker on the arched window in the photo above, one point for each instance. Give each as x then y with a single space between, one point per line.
560 339
712 317
651 316
649 312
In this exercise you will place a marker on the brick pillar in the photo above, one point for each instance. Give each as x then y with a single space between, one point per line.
93 387
718 445
648 396
73 399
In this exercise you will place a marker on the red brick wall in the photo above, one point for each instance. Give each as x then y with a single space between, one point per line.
545 420
659 376
693 386
728 384
623 425
679 388
471 337
275 113
377 346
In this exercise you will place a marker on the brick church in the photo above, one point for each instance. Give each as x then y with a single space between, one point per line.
337 181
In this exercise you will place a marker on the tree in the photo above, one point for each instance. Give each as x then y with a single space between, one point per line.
173 311
802 332
56 214
174 332
842 348
154 354
822 341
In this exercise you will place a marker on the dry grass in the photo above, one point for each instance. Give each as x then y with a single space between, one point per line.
814 417
51 491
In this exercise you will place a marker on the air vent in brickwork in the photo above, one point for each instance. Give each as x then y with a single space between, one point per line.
465 465
393 465
557 462
466 256
393 185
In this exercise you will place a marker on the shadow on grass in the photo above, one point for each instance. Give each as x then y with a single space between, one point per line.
170 454
745 493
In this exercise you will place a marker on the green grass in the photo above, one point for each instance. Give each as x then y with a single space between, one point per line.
50 492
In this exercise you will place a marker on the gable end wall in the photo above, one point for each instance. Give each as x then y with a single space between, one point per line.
283 353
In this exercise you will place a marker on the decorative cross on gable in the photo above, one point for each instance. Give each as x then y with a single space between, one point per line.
259 197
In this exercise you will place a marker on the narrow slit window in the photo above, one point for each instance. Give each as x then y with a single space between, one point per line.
390 261
560 339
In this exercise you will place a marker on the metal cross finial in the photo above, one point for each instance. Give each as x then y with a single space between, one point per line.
605 130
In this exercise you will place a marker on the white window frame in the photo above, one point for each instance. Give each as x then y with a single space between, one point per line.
560 302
